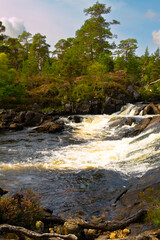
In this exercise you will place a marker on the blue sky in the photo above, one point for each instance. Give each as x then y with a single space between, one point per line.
58 19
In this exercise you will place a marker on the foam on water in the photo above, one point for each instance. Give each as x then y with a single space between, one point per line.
129 155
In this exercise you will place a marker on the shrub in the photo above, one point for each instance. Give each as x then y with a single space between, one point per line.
153 199
22 210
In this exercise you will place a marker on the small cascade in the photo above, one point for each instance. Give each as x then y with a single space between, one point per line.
131 110
94 147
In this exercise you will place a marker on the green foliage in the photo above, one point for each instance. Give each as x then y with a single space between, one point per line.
2 36
39 50
83 90
153 199
119 64
80 68
107 60
10 88
150 92
127 47
92 38
23 210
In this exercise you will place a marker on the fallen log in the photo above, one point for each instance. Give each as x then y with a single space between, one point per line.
21 232
112 226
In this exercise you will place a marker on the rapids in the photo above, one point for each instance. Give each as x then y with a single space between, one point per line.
84 168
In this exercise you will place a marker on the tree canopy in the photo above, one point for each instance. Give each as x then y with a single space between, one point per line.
86 66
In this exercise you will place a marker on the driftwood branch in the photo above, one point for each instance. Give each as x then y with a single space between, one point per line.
154 82
5 228
107 226
112 226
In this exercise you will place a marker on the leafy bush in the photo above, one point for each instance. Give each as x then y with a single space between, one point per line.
22 210
150 92
153 199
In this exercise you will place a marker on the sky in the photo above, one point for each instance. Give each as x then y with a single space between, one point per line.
57 19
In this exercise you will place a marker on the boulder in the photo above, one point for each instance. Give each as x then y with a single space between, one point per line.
141 126
109 106
28 118
71 227
133 91
151 109
16 126
154 121
122 121
76 118
68 108
33 119
96 106
8 116
50 127
19 118
84 107
109 109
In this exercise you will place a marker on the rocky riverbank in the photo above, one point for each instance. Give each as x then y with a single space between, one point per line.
50 122
128 224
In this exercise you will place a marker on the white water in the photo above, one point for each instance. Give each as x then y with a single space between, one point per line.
130 155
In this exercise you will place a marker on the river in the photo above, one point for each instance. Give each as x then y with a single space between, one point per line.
82 170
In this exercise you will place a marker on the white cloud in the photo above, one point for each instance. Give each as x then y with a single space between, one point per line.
14 26
150 14
156 37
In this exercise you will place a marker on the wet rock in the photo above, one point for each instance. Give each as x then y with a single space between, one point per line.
154 121
109 106
2 192
11 113
109 109
141 126
76 119
68 108
47 212
133 91
92 106
151 109
83 108
96 106
122 121
130 202
20 118
71 227
33 118
50 127
2 126
90 234
149 235
16 127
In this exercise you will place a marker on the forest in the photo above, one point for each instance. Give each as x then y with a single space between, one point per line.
88 66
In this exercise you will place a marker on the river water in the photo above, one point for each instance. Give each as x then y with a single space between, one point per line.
81 170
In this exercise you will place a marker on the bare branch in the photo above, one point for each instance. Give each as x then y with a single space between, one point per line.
5 228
